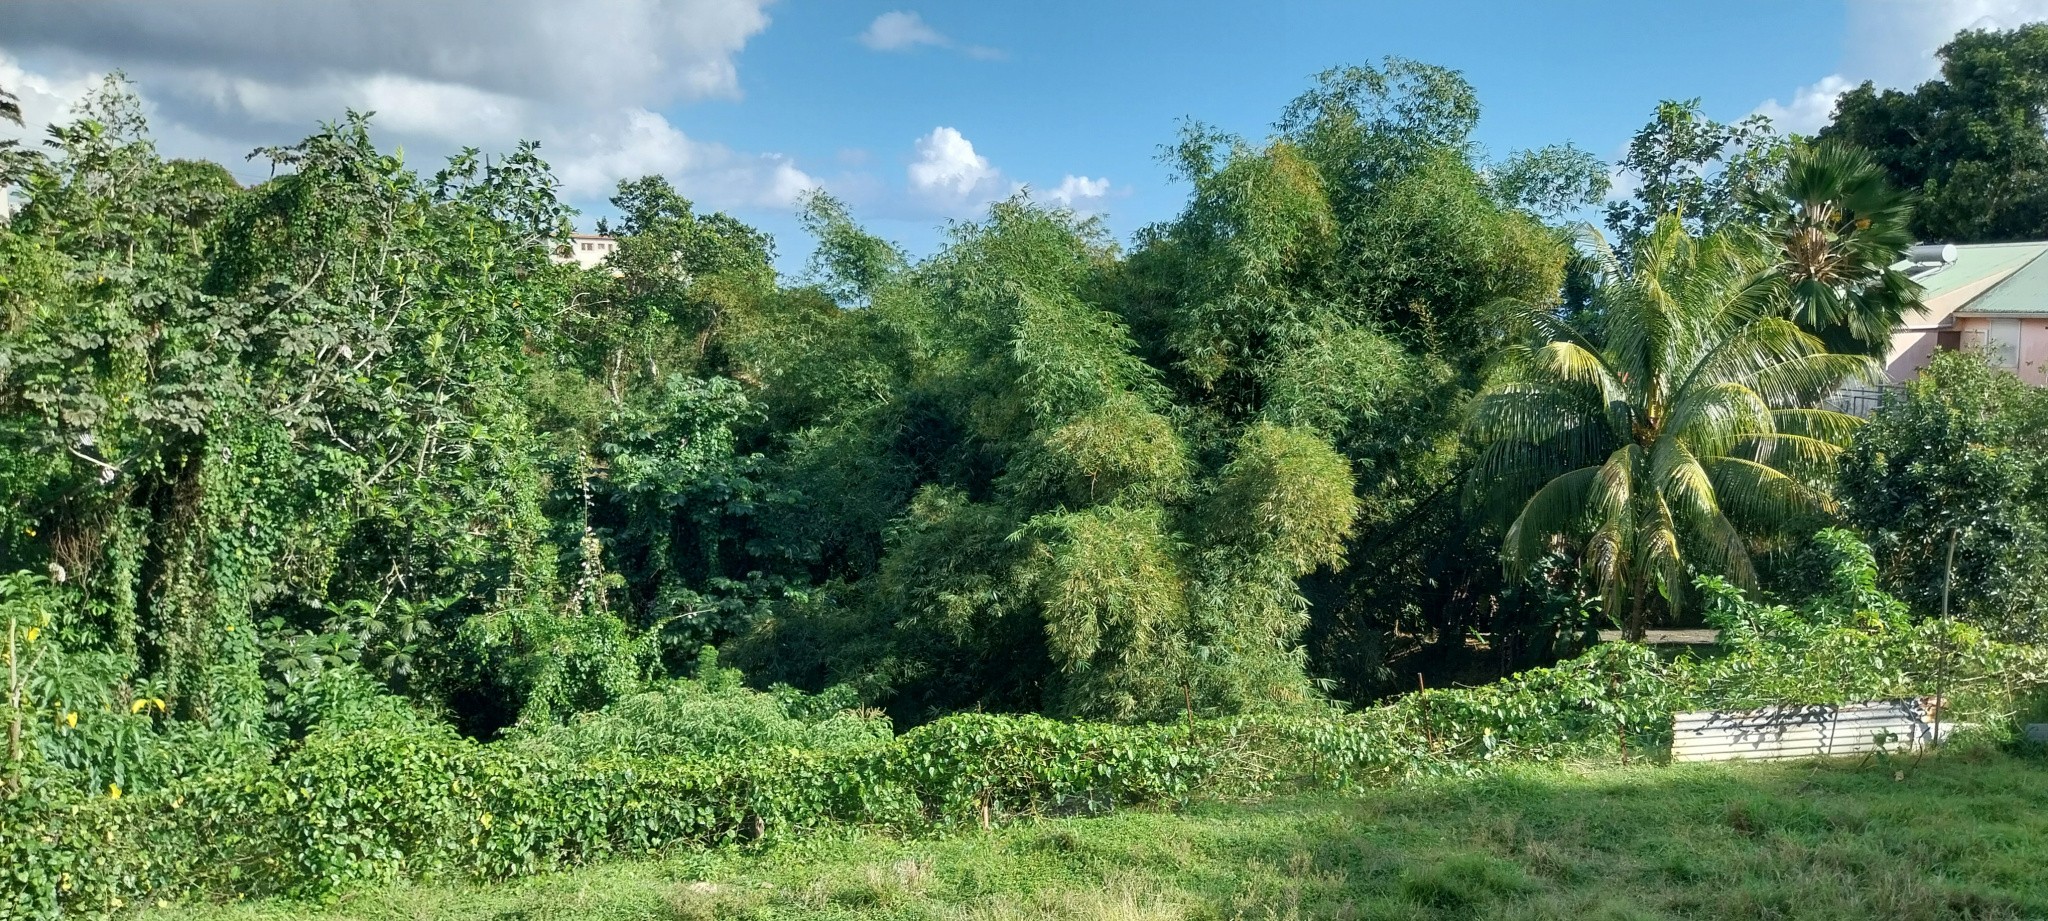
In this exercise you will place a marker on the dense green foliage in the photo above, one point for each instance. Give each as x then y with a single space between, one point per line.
1711 175
1970 143
347 534
1956 459
372 791
1100 482
1691 411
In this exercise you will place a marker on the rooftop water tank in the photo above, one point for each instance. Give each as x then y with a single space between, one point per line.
1938 253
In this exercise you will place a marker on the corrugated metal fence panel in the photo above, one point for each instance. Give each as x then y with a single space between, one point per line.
1800 732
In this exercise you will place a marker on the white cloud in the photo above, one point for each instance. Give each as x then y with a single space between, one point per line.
644 143
947 173
220 77
903 30
1893 43
44 99
1810 109
1079 190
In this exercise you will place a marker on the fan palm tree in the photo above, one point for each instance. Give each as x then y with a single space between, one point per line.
1839 228
1646 452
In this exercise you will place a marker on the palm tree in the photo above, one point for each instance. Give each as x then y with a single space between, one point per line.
1839 228
10 161
1643 451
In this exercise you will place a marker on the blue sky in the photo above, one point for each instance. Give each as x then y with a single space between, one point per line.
1093 89
917 113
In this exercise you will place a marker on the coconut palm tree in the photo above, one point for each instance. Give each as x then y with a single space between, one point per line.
1838 229
10 106
1650 451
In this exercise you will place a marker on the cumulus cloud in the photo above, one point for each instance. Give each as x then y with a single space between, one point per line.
1078 191
947 173
605 51
902 30
641 143
223 76
1810 108
1893 43
44 99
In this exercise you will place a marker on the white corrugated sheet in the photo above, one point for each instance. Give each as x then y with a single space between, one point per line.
1802 732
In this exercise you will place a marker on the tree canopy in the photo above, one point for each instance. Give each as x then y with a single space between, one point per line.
1973 143
1644 446
355 417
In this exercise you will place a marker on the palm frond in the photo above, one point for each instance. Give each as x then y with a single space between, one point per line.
1804 380
1758 492
1825 424
1699 506
1555 509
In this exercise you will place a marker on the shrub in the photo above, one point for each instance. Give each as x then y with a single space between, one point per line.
372 792
1959 455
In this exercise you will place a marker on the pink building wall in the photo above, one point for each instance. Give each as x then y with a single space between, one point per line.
1914 344
2034 351
2030 360
1911 351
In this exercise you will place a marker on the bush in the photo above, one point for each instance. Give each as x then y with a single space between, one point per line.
1959 455
373 792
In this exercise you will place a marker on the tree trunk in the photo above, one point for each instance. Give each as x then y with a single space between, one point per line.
1638 615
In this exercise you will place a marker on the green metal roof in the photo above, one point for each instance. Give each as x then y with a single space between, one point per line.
2023 293
1978 261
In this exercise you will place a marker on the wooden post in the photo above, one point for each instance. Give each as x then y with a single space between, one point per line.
1428 727
1620 730
1941 688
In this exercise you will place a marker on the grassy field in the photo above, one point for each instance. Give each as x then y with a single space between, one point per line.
1965 836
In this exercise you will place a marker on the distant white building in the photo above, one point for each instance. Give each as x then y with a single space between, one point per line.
587 250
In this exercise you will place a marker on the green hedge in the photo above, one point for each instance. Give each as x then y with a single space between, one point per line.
378 804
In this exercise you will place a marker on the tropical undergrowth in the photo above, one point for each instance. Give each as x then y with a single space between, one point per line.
357 787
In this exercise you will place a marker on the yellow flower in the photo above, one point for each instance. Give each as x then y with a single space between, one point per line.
32 633
114 791
71 719
31 531
139 703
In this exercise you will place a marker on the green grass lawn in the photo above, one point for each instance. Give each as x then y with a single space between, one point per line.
1965 836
